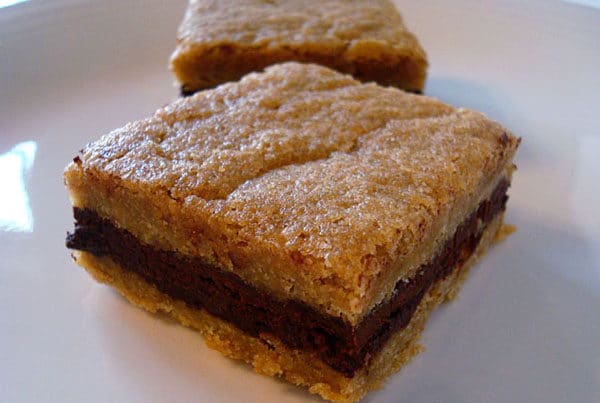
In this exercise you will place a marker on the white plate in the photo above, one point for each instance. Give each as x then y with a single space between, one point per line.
526 326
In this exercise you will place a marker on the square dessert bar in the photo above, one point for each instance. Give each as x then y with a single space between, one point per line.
223 40
302 221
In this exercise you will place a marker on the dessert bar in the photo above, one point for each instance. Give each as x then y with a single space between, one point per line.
220 41
302 221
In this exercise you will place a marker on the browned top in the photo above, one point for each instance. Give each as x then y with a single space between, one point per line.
344 23
349 30
343 177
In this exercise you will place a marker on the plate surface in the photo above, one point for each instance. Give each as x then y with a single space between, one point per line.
526 326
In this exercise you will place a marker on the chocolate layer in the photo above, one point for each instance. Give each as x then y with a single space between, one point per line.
185 91
344 347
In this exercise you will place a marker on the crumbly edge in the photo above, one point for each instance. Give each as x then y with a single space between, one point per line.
200 66
270 357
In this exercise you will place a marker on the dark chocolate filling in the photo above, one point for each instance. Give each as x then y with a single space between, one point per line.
342 346
185 91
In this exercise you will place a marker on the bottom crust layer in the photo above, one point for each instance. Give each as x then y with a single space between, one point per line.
269 356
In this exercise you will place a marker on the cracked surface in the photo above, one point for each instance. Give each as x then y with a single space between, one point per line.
303 181
222 40
216 141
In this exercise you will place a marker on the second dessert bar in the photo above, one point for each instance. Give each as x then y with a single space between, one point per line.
220 41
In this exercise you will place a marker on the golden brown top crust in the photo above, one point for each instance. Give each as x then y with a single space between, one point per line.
309 161
335 26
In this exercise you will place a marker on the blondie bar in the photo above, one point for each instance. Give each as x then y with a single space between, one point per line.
220 41
302 221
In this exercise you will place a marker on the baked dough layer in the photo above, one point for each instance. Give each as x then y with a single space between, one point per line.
302 181
269 356
220 41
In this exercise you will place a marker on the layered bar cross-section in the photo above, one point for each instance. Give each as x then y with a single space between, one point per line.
302 221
